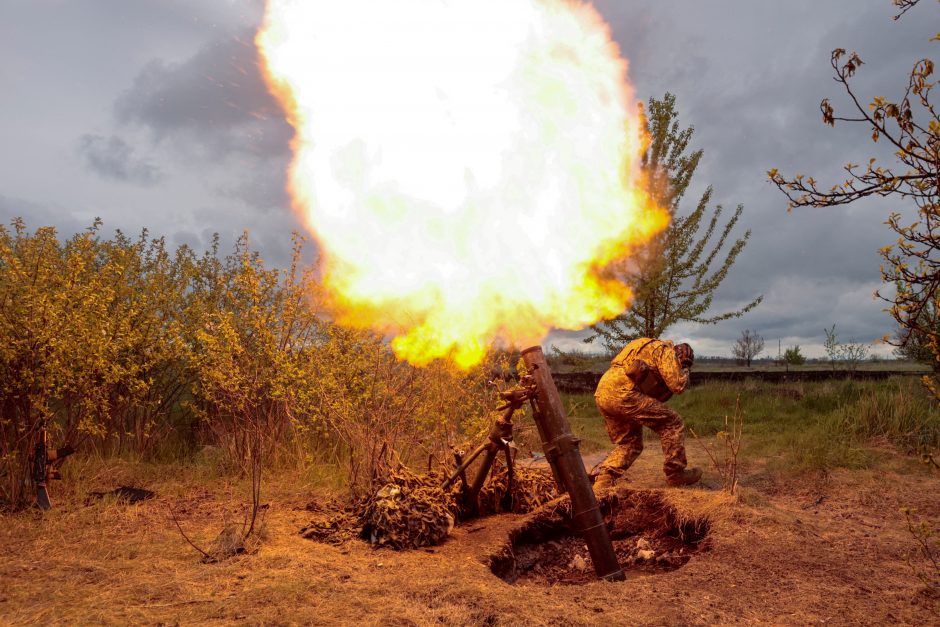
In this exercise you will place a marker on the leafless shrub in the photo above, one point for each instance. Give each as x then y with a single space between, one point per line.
924 560
747 347
725 461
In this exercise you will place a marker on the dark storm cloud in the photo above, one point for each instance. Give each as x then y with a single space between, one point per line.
215 107
270 233
263 185
819 305
113 158
216 99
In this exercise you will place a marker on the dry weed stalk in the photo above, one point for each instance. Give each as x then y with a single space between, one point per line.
231 540
205 555
731 437
925 560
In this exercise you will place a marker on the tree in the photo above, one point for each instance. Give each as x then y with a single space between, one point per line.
250 356
917 348
832 346
88 345
854 353
748 346
674 277
58 355
850 353
115 344
911 126
793 356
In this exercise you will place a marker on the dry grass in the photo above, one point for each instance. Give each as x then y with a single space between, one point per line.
718 508
787 551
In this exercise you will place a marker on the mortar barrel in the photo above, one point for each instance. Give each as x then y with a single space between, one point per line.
561 451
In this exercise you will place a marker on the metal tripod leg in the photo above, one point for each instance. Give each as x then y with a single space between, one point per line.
489 454
507 502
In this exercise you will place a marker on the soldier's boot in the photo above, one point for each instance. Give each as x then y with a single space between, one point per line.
685 477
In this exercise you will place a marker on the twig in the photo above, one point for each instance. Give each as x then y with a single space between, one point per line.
928 459
174 603
707 450
732 437
183 533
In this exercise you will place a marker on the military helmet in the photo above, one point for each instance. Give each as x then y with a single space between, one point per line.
685 355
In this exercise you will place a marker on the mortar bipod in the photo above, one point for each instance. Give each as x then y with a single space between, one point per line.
499 439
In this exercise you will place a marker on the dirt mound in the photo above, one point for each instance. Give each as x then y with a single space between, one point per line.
649 536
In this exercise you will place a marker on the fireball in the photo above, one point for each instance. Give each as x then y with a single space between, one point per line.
469 168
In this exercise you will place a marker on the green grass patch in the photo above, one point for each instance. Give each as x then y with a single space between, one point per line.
586 422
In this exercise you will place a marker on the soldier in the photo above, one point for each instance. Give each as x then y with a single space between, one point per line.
631 395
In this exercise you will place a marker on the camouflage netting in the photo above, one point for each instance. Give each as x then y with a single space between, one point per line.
409 511
407 518
334 530
530 490
412 511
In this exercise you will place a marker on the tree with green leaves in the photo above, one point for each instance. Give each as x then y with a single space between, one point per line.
911 126
850 353
116 345
251 357
675 276
917 345
793 356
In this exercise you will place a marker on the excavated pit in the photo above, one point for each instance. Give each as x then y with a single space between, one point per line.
649 536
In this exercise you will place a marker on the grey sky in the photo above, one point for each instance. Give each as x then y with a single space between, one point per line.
153 114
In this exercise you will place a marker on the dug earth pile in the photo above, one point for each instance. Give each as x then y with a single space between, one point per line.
649 536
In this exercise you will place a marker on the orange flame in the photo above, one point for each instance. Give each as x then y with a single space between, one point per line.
468 167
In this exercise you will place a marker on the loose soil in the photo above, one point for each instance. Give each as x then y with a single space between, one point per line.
648 535
829 549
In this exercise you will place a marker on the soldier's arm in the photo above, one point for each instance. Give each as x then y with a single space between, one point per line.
672 372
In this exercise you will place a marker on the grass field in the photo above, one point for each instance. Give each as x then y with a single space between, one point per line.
592 362
814 536
799 426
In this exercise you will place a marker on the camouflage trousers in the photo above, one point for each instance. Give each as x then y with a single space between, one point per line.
625 415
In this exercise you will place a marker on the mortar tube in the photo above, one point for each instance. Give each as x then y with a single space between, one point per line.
561 451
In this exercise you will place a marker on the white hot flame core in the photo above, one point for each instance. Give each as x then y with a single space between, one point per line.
466 165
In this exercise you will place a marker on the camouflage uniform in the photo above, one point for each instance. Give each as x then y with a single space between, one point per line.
626 410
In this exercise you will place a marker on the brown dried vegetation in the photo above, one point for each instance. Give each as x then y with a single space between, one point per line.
789 550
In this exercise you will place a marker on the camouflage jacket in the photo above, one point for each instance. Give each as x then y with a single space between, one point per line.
657 353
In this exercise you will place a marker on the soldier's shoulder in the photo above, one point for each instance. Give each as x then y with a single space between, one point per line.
640 341
661 346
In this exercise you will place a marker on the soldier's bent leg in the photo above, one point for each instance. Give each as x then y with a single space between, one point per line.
673 442
668 425
627 435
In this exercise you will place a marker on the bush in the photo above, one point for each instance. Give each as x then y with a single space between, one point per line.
126 347
793 356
